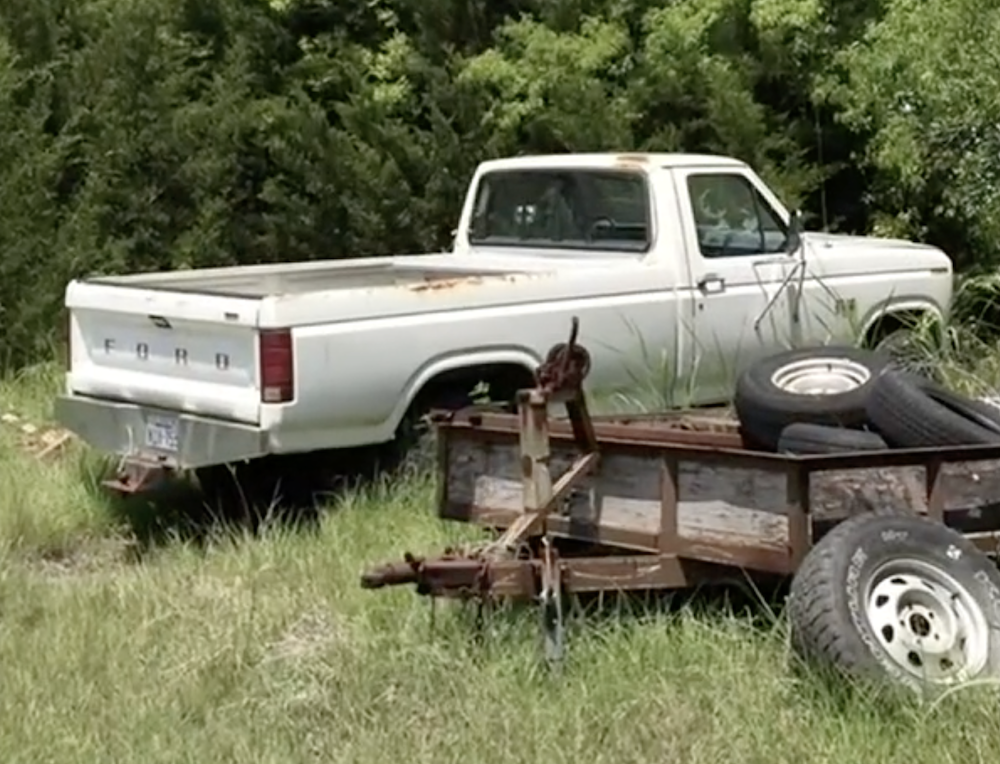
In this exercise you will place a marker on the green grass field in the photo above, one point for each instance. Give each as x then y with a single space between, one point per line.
123 642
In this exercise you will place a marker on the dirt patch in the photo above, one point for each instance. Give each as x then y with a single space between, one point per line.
41 441
307 637
84 558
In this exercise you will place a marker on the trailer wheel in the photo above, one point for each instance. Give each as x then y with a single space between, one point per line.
824 385
806 438
912 412
898 597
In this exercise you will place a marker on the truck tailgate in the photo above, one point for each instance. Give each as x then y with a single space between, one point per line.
171 350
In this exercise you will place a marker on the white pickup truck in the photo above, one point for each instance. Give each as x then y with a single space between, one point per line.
690 259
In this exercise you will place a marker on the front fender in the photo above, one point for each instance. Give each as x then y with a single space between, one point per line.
899 306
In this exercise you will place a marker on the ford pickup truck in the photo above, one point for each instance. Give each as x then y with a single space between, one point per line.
690 260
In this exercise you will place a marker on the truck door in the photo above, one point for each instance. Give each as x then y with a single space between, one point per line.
738 303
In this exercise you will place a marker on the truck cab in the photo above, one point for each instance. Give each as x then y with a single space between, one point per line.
713 234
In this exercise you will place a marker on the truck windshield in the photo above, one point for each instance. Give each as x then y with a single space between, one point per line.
601 210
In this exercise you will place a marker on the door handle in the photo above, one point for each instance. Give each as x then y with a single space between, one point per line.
712 283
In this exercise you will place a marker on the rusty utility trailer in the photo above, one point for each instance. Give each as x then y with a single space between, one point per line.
666 501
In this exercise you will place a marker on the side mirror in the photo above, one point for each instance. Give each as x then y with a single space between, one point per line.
794 240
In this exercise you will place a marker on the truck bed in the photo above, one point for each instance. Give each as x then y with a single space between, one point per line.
189 342
287 279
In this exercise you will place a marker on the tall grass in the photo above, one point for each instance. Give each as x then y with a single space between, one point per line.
266 649
116 647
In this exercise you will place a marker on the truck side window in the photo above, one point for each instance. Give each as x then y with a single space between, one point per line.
732 218
566 209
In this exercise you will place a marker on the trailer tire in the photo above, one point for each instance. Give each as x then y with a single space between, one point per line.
897 597
824 385
808 438
910 411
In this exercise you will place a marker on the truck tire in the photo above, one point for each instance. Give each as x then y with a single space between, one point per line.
897 597
807 438
824 385
910 411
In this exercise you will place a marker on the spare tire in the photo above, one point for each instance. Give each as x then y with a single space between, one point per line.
914 412
806 438
822 385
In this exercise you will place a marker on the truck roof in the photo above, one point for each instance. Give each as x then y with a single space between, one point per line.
611 160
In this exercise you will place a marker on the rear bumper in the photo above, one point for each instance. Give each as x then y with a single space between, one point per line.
120 428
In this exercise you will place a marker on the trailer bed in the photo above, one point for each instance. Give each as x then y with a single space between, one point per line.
667 501
642 501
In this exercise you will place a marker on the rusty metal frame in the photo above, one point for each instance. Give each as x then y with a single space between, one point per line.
601 558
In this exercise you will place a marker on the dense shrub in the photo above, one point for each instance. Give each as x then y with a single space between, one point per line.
153 134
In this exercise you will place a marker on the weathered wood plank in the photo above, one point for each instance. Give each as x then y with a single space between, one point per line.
726 504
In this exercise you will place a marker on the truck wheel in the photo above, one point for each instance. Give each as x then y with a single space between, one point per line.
898 597
806 438
913 412
824 385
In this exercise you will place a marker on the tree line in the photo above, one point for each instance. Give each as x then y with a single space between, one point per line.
155 134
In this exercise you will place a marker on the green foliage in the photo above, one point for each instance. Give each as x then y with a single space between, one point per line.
31 161
921 85
554 91
160 134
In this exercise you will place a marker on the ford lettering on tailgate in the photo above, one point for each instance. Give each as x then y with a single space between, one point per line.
181 356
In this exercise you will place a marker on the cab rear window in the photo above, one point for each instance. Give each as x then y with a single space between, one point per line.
565 209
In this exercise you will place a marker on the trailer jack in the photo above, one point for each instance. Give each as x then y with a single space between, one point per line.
500 566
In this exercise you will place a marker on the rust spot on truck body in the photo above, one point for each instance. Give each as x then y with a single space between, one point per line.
437 285
447 284
632 160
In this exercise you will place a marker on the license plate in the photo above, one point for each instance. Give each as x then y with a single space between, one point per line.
161 433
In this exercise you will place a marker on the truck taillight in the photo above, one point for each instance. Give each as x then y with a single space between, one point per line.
277 367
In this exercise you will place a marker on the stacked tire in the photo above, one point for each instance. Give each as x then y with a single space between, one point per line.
884 595
844 399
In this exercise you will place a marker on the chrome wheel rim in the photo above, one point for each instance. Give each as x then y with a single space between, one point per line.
821 376
926 622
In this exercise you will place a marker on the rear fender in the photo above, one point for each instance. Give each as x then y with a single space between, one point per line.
521 357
